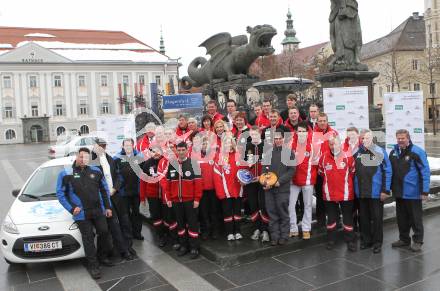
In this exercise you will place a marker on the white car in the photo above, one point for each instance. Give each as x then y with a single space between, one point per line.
37 228
69 145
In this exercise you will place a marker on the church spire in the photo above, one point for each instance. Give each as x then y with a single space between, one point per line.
290 43
162 44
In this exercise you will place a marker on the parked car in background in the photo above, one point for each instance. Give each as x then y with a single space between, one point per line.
69 145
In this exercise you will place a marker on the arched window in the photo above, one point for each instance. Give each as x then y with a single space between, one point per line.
10 134
84 129
60 130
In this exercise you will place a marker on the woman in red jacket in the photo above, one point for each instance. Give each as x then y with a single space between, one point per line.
228 187
337 171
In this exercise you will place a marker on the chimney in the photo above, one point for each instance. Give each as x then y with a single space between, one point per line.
415 15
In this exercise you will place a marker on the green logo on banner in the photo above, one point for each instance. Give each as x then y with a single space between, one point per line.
340 107
119 137
332 123
418 130
398 107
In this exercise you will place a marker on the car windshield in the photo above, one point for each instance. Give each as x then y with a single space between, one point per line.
43 183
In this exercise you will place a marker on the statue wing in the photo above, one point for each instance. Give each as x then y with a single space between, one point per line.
217 44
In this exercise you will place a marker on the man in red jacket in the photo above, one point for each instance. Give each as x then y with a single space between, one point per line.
211 109
293 119
337 169
183 194
321 134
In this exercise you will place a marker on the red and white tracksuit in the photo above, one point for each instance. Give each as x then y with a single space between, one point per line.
338 173
229 190
303 181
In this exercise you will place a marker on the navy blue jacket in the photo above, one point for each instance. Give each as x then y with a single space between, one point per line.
411 173
84 188
128 170
373 172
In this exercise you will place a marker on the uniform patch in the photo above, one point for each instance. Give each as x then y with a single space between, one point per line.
306 154
407 158
172 175
211 162
243 140
92 176
76 176
187 173
237 163
227 172
328 167
342 165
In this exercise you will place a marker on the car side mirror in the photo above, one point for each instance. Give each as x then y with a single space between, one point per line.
15 192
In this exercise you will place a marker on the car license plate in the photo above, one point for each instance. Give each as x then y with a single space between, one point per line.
43 246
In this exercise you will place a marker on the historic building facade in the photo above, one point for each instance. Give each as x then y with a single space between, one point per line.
56 80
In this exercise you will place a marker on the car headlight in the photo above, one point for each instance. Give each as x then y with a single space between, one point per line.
9 226
74 226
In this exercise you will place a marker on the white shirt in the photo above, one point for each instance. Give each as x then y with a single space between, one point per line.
106 169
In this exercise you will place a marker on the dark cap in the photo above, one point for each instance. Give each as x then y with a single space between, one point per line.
100 141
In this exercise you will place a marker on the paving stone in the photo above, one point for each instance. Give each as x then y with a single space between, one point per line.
122 270
431 283
137 282
40 271
358 283
45 285
279 283
202 266
218 281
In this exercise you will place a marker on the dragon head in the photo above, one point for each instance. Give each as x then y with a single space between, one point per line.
261 38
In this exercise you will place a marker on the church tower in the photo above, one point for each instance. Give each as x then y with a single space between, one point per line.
162 44
290 43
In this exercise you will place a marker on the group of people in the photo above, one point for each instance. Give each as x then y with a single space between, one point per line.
188 177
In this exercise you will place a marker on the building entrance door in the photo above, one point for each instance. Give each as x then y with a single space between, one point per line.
36 133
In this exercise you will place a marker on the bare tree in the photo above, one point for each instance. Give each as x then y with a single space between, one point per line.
396 71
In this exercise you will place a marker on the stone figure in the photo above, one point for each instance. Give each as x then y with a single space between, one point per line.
345 36
231 57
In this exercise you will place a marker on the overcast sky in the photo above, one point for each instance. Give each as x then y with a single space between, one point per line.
188 23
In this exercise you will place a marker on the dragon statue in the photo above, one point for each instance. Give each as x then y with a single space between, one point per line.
231 57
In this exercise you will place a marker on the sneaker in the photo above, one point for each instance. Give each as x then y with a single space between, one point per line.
306 235
95 273
330 245
138 237
293 234
106 262
194 254
416 247
204 235
132 251
273 243
377 249
176 247
128 256
399 244
365 246
183 251
238 236
230 237
282 241
256 235
162 241
265 237
352 247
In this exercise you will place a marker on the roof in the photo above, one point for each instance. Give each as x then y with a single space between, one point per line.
82 45
408 36
306 55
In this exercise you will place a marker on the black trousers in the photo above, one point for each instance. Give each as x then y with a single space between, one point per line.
410 215
332 209
88 238
121 207
320 205
209 212
257 205
232 214
120 244
133 202
157 211
187 224
356 214
371 221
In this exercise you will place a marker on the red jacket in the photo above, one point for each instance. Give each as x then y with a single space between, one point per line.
291 127
263 121
321 137
217 116
306 168
349 149
184 182
338 174
226 182
143 143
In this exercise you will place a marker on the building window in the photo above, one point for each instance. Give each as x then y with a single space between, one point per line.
32 81
105 108
83 107
59 109
104 81
125 80
158 80
416 87
142 80
10 134
415 65
8 113
34 110
81 81
7 82
84 129
60 130
57 81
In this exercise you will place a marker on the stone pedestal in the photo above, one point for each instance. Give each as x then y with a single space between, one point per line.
355 79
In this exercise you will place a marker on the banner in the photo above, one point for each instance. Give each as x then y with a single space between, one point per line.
346 107
189 104
404 110
154 98
114 129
